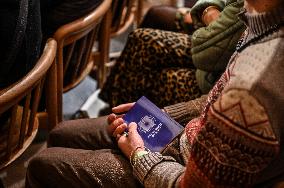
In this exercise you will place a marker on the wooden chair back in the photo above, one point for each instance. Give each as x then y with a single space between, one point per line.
19 104
75 41
123 15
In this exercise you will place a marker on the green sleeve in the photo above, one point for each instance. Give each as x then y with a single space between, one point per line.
212 46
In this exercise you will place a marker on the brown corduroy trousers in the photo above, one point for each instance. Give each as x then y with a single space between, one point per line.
81 154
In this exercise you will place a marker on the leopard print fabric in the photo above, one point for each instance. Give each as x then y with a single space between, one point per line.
156 64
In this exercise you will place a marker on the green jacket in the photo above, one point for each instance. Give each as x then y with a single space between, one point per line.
212 46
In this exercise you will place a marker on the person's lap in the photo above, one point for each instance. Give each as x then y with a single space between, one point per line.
87 134
82 154
68 167
162 87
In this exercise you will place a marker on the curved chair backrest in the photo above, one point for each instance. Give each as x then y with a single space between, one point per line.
74 46
123 15
118 20
19 103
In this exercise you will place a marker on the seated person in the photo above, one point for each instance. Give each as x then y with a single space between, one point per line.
56 13
21 33
20 36
170 67
235 141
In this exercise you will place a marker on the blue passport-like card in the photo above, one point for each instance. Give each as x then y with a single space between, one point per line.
155 127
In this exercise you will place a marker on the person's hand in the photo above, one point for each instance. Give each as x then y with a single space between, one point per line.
210 14
131 141
123 108
186 15
114 121
187 18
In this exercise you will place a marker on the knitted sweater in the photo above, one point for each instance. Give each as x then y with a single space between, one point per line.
238 138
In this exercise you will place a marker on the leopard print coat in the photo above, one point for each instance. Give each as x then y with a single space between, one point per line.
156 64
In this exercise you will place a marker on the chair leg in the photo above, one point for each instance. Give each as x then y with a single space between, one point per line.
139 11
173 3
59 70
104 43
52 103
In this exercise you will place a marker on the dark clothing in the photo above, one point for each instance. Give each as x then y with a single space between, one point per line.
160 17
20 37
56 13
189 3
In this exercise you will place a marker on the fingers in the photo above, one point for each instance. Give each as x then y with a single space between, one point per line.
114 125
119 130
111 118
119 116
122 108
121 136
132 128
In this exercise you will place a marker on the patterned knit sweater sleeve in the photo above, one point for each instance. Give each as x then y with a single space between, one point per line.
185 111
235 146
239 143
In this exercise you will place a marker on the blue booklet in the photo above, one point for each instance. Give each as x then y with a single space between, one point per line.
156 127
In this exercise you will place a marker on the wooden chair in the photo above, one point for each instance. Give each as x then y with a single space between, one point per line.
123 13
74 46
19 103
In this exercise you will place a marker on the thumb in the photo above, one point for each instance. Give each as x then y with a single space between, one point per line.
122 108
122 139
132 128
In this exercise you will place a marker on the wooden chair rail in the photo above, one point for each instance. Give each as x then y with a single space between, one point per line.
8 97
19 104
123 14
74 52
